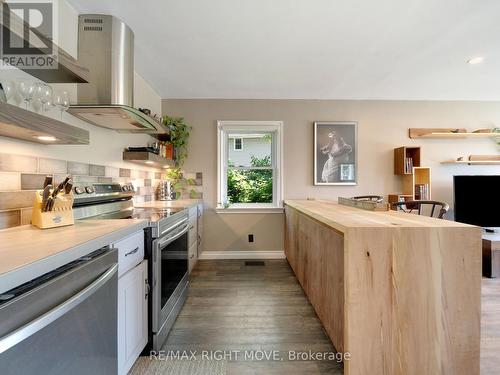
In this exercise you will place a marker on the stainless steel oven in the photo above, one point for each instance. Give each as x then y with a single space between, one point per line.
166 248
170 276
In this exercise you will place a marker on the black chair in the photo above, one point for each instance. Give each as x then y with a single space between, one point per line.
421 208
371 198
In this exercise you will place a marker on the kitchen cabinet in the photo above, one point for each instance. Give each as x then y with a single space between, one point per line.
195 234
132 315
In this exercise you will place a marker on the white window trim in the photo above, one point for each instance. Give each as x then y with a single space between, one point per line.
225 126
234 144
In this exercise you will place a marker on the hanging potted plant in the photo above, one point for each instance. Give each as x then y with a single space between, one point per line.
179 135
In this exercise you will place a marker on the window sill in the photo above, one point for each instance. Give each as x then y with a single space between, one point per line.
250 210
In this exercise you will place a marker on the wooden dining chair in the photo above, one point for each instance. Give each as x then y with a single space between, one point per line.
371 198
426 208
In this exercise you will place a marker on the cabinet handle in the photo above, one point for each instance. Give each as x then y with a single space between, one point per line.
148 288
191 227
132 252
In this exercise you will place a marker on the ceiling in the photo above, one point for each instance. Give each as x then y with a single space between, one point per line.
314 49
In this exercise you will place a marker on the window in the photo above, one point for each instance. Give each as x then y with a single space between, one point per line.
249 177
237 144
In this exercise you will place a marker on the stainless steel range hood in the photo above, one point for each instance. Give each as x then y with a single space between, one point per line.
106 47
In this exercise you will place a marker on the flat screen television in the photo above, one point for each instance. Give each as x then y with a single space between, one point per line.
477 200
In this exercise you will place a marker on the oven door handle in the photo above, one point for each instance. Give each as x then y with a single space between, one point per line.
174 226
168 240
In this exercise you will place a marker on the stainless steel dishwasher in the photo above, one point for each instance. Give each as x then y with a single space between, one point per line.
64 322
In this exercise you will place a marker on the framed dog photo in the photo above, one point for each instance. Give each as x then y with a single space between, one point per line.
335 153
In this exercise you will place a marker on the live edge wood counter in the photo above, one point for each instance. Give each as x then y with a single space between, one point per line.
400 293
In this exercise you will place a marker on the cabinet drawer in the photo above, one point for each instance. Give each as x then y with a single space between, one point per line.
130 252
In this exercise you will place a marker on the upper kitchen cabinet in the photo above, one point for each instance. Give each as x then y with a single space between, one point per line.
67 70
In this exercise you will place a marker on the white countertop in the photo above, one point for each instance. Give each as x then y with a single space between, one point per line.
27 252
180 203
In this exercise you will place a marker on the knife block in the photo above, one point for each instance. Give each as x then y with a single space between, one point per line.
61 215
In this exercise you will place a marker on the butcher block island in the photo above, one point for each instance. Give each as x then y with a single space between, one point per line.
397 293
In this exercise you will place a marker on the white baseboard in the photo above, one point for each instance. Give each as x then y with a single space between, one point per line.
242 255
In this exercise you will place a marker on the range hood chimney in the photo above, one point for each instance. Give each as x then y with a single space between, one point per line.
106 48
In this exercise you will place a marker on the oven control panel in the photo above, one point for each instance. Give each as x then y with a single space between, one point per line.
99 191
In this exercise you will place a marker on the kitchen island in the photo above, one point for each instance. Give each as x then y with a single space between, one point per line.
396 293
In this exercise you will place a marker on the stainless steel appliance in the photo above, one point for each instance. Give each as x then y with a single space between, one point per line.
64 322
166 245
106 47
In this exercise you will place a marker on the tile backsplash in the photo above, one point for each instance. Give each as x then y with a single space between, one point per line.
21 175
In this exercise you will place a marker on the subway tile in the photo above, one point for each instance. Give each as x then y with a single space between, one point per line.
105 180
59 177
10 219
148 198
145 190
75 168
124 172
150 175
147 182
32 181
97 170
26 216
52 166
10 181
157 175
84 179
111 172
10 200
18 163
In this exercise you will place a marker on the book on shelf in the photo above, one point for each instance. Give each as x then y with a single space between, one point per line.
408 165
422 192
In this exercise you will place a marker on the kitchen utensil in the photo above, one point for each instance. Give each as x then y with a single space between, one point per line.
45 196
68 188
60 187
47 181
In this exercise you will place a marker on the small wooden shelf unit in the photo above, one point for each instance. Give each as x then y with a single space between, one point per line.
407 163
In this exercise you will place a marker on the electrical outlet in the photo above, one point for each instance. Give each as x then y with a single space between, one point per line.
250 238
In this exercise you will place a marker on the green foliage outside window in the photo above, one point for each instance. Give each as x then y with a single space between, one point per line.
253 185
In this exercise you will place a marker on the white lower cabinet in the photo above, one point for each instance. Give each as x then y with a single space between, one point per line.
132 316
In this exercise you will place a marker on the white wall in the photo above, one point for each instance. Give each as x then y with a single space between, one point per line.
382 126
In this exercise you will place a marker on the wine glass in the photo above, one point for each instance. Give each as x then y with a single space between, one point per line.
61 101
9 90
26 89
44 94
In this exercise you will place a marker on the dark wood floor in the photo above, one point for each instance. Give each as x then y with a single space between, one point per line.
263 308
251 308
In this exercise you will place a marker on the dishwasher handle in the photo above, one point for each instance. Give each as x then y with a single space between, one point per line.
29 329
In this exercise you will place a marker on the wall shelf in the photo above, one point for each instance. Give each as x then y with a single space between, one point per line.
19 123
401 155
472 162
68 70
447 133
147 158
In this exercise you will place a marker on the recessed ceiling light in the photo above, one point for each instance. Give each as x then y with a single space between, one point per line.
46 138
476 60
149 162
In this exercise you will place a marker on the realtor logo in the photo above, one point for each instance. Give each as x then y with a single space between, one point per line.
29 34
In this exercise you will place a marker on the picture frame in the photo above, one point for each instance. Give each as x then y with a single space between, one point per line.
335 153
